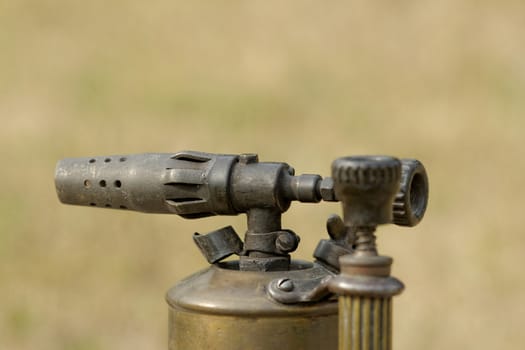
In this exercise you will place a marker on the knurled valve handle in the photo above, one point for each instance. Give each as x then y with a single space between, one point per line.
366 186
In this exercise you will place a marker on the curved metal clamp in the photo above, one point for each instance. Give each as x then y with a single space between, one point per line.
293 291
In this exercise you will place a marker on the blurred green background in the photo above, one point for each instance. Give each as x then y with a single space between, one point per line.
302 82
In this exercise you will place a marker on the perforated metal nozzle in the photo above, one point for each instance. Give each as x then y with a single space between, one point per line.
182 183
188 183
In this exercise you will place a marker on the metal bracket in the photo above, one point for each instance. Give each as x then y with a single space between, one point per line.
329 251
279 242
292 291
218 244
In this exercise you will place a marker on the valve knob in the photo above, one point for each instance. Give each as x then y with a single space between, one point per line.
366 186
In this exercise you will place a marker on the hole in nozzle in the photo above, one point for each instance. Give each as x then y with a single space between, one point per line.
123 207
122 159
87 183
107 160
418 194
108 205
93 204
118 184
102 183
92 160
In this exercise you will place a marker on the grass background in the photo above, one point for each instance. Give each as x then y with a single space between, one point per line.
300 82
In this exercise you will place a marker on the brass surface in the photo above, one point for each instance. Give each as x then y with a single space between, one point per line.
358 265
225 290
224 308
365 323
191 330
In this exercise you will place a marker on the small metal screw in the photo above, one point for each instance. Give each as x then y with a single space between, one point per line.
285 284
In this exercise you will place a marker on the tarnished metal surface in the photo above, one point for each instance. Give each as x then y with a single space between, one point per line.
410 203
266 300
367 186
369 286
218 244
189 330
328 252
370 322
225 308
225 290
292 291
197 184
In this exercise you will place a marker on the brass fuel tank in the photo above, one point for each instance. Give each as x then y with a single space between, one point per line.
224 308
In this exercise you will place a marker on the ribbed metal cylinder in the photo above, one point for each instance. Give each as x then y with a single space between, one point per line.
365 323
